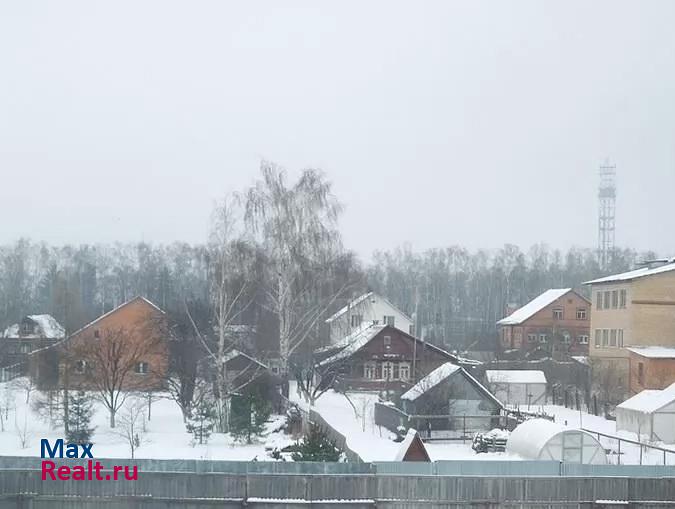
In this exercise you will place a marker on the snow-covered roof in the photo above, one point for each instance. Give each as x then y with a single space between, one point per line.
353 342
530 438
431 380
47 327
405 445
442 373
534 306
358 301
515 376
634 274
650 401
581 359
654 352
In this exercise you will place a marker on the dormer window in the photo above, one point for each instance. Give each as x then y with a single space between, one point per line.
389 320
26 328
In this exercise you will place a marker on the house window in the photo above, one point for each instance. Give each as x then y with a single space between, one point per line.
597 338
97 334
387 371
615 299
25 348
396 371
411 329
80 366
531 338
404 371
620 338
641 373
606 303
387 342
598 300
369 370
26 328
605 337
612 337
581 313
566 338
542 338
389 320
558 314
142 368
356 320
622 299
583 339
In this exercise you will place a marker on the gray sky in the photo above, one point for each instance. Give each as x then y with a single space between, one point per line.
474 123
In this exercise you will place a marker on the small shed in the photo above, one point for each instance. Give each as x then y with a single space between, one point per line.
517 386
450 399
539 439
650 413
412 448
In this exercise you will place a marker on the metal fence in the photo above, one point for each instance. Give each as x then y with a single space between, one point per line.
488 468
185 489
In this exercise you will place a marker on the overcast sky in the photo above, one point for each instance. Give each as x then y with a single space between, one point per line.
474 123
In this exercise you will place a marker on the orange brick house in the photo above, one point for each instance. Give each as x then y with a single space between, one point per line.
651 367
128 344
557 322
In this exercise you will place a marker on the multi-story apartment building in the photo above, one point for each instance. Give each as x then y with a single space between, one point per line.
556 323
631 309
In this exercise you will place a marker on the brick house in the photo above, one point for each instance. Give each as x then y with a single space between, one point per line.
631 309
557 323
132 335
379 357
651 367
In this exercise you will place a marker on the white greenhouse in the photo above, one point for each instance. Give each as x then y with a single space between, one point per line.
539 439
650 413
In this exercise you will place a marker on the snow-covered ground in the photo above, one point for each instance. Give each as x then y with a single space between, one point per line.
372 443
165 437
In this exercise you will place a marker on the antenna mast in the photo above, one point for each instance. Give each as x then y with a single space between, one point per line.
606 214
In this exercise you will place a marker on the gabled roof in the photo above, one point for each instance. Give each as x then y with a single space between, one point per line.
515 376
534 306
143 299
358 301
650 401
441 374
413 441
634 274
47 325
353 342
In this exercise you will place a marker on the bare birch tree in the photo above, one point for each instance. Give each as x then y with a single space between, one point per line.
296 225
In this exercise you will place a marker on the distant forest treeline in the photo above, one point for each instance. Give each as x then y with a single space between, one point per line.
457 294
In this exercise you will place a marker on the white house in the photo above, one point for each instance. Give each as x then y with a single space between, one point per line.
650 413
517 386
369 308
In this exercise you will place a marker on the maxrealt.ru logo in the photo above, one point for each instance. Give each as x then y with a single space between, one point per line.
93 471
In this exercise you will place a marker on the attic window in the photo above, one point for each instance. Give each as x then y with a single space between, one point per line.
389 320
97 334
356 320
387 342
558 314
80 366
26 328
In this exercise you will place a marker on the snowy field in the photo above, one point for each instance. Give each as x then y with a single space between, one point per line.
165 436
373 443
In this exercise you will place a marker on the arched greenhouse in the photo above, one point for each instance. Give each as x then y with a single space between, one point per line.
539 439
